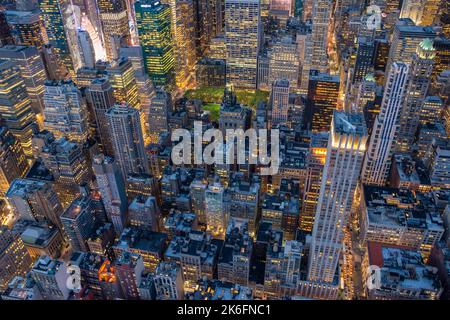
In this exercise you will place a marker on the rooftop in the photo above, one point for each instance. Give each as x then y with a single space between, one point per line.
136 238
401 208
402 269
218 290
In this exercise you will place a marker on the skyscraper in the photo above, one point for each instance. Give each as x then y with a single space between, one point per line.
284 61
242 38
183 35
65 111
279 101
100 96
321 14
87 52
114 22
14 257
111 185
123 80
345 152
422 12
197 192
419 80
127 138
35 200
28 28
66 161
79 222
32 70
323 91
214 209
405 39
315 163
385 129
13 163
15 105
52 12
155 36
364 59
161 105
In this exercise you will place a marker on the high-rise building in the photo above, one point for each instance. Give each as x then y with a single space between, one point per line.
323 91
87 51
114 21
405 40
364 59
210 72
197 192
345 153
284 61
13 163
127 138
101 97
214 209
183 35
122 78
279 101
242 38
385 129
32 70
161 105
432 108
111 185
15 105
35 200
79 222
14 257
442 58
155 35
419 80
5 31
56 70
366 93
241 203
51 278
421 12
430 12
412 9
52 12
315 162
66 161
321 14
65 111
27 28
440 164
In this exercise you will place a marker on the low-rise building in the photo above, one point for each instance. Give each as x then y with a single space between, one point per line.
399 274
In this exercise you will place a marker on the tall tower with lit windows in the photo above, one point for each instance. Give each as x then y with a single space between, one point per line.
242 40
155 36
345 153
385 129
114 22
15 105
